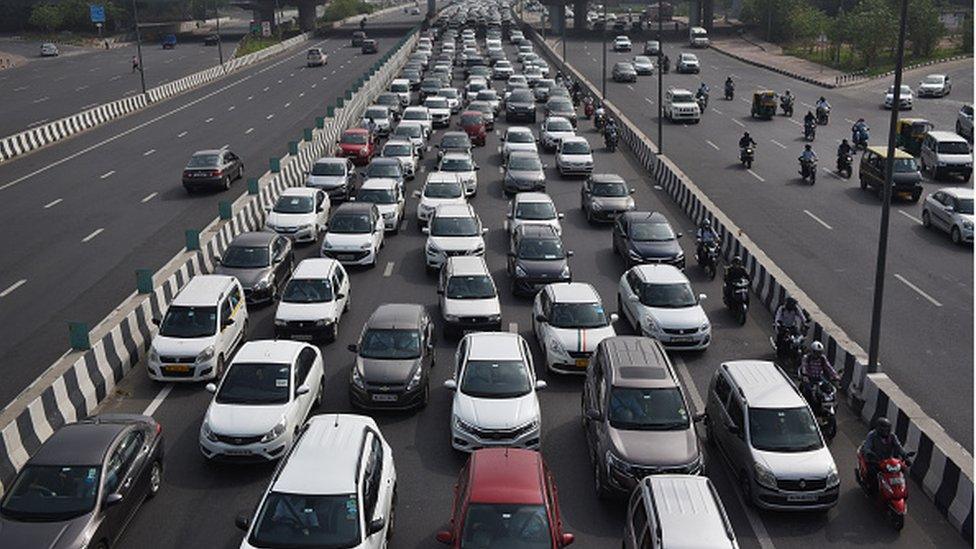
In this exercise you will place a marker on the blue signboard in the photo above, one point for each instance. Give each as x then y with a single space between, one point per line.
97 13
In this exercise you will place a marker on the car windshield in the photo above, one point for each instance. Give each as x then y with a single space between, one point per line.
688 57
496 379
390 344
246 257
307 290
541 249
668 296
294 205
296 520
905 165
454 226
524 163
186 322
456 141
636 409
470 287
378 113
436 103
354 138
519 137
558 125
642 60
398 149
575 147
577 315
933 80
614 189
329 168
443 190
783 430
48 493
203 161
415 115
504 525
408 130
964 206
350 224
456 164
535 211
651 232
953 147
376 196
255 383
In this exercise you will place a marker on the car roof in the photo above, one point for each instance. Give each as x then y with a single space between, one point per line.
208 151
574 139
335 440
314 267
941 135
494 346
532 197
661 274
467 265
396 315
379 183
958 192
883 152
763 384
300 191
689 511
555 118
637 361
254 238
645 217
203 290
506 475
454 210
82 443
277 351
354 208
573 292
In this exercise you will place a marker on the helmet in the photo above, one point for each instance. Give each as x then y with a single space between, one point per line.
746 134
791 303
787 92
844 141
883 426
817 347
704 224
737 261
822 98
807 147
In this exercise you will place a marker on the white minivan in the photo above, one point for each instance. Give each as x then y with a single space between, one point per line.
945 154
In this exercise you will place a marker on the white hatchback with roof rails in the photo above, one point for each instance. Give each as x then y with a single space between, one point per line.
300 213
313 300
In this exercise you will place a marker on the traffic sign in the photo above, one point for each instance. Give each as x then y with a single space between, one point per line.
97 13
265 28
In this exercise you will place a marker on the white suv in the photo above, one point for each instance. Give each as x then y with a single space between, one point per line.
440 188
313 301
568 321
518 138
495 401
348 503
468 296
454 229
532 209
680 104
267 394
553 130
574 156
658 302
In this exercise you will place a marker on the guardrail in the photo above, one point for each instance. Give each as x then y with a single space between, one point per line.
942 466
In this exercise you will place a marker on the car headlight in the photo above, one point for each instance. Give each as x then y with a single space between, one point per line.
764 477
357 378
619 464
432 248
262 284
968 225
520 272
366 245
415 380
153 355
634 255
206 354
462 426
596 206
280 322
274 433
323 322
705 326
695 467
833 479
307 227
565 273
450 318
495 318
480 249
207 432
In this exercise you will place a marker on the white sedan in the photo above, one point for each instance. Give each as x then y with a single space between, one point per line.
569 321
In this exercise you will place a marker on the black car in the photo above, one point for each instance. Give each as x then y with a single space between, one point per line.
454 142
429 87
520 105
647 237
561 106
212 168
84 484
211 40
536 258
357 38
393 358
390 100
261 261
369 46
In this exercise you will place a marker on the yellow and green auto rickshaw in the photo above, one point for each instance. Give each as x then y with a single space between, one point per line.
764 104
909 133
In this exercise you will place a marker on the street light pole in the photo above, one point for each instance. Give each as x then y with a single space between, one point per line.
220 47
605 49
142 69
879 274
660 78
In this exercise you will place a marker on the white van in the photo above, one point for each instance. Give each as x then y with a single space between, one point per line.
946 153
200 330
698 37
671 511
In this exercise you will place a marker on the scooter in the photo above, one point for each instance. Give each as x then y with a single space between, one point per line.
889 487
737 299
707 257
822 397
823 115
702 99
786 104
809 132
792 349
845 165
808 170
747 155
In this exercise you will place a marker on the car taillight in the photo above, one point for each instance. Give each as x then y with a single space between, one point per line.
216 173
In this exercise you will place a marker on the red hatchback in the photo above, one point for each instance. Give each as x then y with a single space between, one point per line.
357 144
473 124
504 498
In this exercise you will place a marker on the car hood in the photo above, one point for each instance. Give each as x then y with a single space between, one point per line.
181 346
247 277
558 135
456 242
43 535
496 413
582 340
289 220
306 311
656 448
656 250
526 175
325 181
575 158
542 268
683 318
521 104
435 202
471 307
243 419
614 202
343 241
815 464
463 176
394 372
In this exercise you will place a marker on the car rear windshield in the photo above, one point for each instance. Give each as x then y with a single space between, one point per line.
246 257
783 430
443 190
376 196
350 224
376 113
558 125
383 169
535 211
307 290
495 379
648 409
356 138
953 147
203 161
575 147
294 204
609 189
470 287
296 520
524 163
255 383
577 315
48 493
398 149
668 296
519 137
501 525
521 96
454 226
328 168
184 322
456 141
390 344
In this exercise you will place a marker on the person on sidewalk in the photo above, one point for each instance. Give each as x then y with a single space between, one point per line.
135 64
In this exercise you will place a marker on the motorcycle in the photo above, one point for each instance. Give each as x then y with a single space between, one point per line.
599 119
747 155
808 170
786 103
889 487
860 137
792 348
588 107
702 99
822 397
809 132
823 115
729 93
707 256
736 298
610 139
845 165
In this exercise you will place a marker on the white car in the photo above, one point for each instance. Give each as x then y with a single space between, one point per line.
387 194
532 208
688 63
533 73
49 49
495 400
313 301
518 139
415 132
454 229
680 105
502 70
622 43
553 130
350 503
951 210
905 98
381 118
491 97
468 296
935 85
515 36
463 168
200 330
266 395
568 321
658 302
300 213
440 188
574 157
453 98
964 122
401 87
355 234
405 152
440 111
420 115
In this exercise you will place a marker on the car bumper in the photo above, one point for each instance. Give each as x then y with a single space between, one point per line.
625 483
473 324
520 115
197 371
691 342
264 295
782 500
923 92
689 70
254 452
396 399
575 169
684 115
202 182
351 257
625 78
606 216
335 193
903 104
467 442
304 330
567 363
301 235
965 234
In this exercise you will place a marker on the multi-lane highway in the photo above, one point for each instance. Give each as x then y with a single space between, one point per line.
82 215
198 502
825 237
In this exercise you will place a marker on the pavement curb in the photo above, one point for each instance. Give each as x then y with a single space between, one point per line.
809 80
74 386
943 467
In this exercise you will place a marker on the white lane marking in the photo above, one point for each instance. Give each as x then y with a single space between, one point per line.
301 94
744 100
288 104
313 85
209 120
41 100
685 375
249 130
794 122
631 87
280 81
818 220
269 117
649 100
777 143
114 78
292 75
756 175
149 197
54 202
717 111
848 120
22 88
501 169
232 107
388 271
513 327
88 106
807 105
737 122
714 146
107 174
910 216
831 172
93 234
81 88
149 152
156 402
38 123
266 88
918 290
250 97
10 289
181 134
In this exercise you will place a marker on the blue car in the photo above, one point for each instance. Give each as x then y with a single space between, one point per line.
169 41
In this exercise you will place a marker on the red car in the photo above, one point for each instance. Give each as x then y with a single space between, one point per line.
506 497
357 144
473 124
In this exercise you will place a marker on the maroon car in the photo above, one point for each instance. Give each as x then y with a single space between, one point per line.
473 124
357 144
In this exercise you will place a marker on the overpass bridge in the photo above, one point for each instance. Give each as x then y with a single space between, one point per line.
264 10
700 12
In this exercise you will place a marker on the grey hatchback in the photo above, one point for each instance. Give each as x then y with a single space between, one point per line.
524 171
261 261
604 196
84 484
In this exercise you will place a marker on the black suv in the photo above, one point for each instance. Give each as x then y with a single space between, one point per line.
647 237
536 258
520 105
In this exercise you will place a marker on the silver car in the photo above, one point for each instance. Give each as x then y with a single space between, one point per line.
951 210
524 171
334 176
604 196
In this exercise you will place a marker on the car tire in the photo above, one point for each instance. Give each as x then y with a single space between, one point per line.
956 236
926 219
225 183
155 479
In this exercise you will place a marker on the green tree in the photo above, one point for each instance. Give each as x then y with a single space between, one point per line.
47 17
806 23
872 28
967 34
770 17
924 30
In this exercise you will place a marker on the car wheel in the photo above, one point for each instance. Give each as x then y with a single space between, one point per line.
320 395
956 236
225 183
155 479
926 219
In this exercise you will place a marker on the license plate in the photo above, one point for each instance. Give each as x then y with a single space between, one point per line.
177 368
344 257
682 339
384 398
582 362
802 497
302 337
236 452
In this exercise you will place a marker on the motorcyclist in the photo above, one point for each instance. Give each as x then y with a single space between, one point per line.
666 63
703 90
734 271
844 149
815 366
822 104
745 141
881 444
788 315
809 119
704 235
787 98
729 86
362 23
859 128
806 158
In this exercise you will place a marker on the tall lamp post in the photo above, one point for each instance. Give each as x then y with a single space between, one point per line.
604 90
220 48
142 71
660 78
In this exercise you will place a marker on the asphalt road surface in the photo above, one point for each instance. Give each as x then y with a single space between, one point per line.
826 236
82 215
198 502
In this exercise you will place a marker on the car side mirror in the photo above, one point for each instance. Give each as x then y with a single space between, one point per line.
950 209
560 216
425 230
593 415
679 235
540 385
476 167
320 209
226 322
353 347
484 230
735 430
567 539
570 253
445 537
614 317
377 525
632 191
702 297
450 384
278 259
508 216
440 291
541 318
243 522
633 298
211 388
113 499
416 194
303 390
156 321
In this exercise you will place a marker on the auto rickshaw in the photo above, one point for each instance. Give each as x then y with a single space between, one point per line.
764 104
909 133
